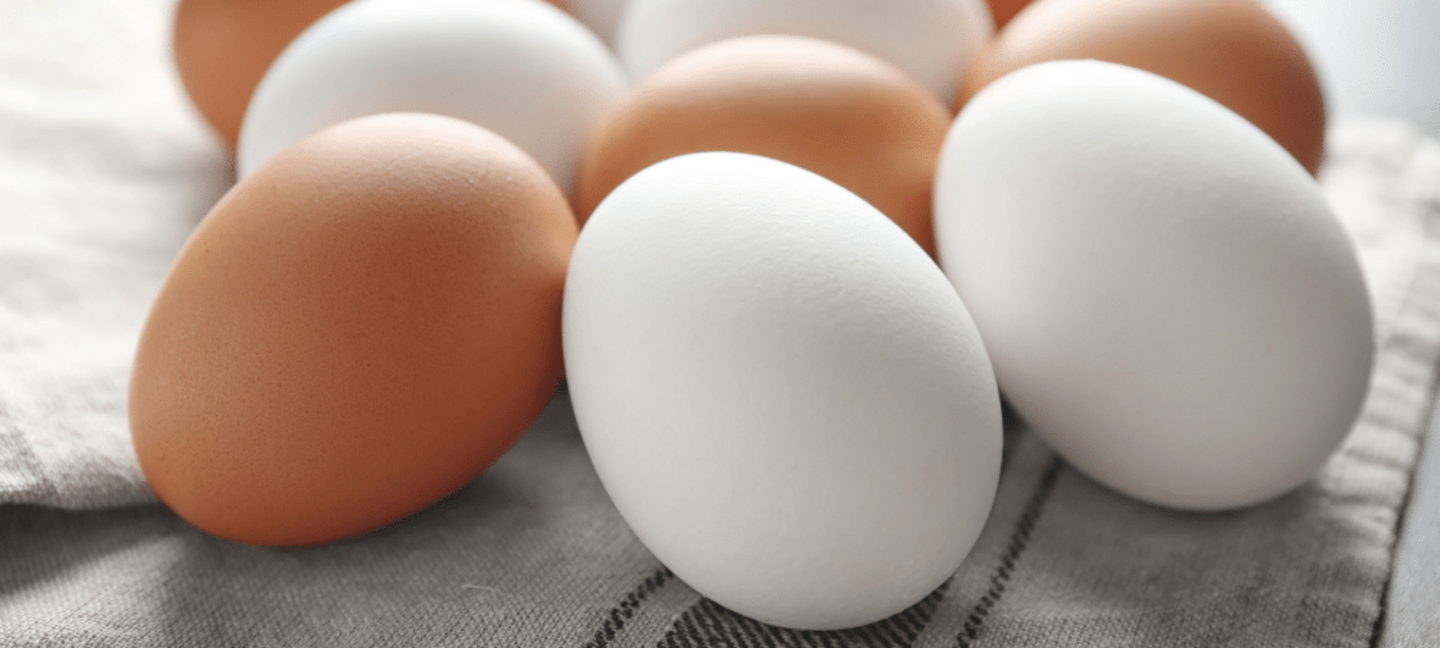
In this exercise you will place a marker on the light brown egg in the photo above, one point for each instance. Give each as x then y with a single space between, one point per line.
1233 51
222 49
1004 10
354 331
828 108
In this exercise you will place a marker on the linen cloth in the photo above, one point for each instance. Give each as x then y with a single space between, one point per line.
104 171
1413 607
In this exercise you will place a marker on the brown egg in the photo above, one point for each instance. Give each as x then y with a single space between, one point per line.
223 47
1233 51
833 110
1004 10
354 331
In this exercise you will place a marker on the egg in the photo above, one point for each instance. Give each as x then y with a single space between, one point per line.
357 329
601 16
223 47
1004 10
1233 51
1167 297
828 108
779 390
933 40
523 69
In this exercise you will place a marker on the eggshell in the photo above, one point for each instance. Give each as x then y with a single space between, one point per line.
1233 51
825 107
223 47
1165 293
601 16
780 391
1004 10
934 40
523 69
354 331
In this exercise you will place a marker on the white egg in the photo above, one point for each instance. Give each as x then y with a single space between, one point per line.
522 69
1165 293
933 40
780 391
601 16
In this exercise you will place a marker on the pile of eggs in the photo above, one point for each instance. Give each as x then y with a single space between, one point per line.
725 223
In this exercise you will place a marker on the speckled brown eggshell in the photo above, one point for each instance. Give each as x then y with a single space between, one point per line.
356 330
824 107
1233 51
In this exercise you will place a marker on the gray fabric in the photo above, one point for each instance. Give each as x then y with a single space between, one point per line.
104 169
531 553
1412 617
1413 611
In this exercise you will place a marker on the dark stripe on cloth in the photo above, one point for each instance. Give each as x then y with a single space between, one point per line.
626 609
1019 539
708 625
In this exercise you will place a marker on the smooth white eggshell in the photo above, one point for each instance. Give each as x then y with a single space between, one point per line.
933 40
523 69
1167 297
780 391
